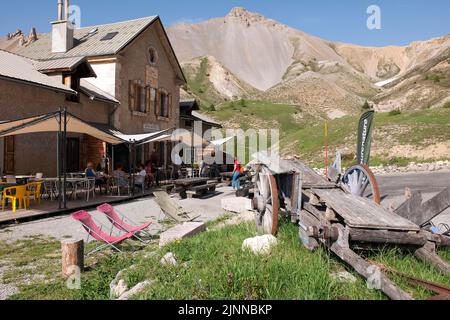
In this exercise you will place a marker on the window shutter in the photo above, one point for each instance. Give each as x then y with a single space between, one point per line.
157 104
170 107
132 95
148 99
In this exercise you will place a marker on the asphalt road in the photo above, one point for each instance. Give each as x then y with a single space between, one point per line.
392 188
394 185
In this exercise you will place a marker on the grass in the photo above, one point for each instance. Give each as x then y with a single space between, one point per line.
305 135
199 84
213 266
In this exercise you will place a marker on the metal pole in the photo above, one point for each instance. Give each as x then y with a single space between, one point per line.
112 159
59 158
130 172
326 148
64 159
192 152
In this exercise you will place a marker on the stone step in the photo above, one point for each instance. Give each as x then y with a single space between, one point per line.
180 232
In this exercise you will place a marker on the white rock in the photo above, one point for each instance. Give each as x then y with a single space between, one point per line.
343 276
119 289
169 260
136 290
260 245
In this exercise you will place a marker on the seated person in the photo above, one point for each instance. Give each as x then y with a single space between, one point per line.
150 176
120 176
139 180
92 174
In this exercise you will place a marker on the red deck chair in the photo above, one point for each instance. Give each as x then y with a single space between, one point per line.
96 232
119 222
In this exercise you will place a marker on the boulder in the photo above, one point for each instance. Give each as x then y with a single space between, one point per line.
261 245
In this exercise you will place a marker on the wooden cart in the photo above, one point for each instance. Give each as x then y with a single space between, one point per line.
338 215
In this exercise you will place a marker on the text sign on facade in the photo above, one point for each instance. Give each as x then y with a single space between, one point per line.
151 127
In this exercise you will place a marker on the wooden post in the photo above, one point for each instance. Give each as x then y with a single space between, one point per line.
72 256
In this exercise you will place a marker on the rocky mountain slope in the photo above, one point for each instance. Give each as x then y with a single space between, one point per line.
284 65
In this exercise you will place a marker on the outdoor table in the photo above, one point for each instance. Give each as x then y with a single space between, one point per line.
184 185
228 177
70 181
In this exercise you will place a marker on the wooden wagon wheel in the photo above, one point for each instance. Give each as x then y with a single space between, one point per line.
266 202
357 179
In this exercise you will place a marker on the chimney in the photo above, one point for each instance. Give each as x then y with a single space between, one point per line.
62 30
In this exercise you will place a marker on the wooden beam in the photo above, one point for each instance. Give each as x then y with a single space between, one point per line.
369 271
413 209
427 254
388 237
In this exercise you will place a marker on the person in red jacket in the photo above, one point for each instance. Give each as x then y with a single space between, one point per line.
236 175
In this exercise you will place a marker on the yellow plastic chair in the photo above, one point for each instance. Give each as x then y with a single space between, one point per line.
34 190
16 194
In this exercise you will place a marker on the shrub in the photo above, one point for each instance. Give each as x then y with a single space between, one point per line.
447 105
366 106
395 112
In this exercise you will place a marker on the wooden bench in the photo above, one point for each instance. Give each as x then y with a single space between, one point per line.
200 191
168 188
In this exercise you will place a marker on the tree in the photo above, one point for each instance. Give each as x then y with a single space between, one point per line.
366 106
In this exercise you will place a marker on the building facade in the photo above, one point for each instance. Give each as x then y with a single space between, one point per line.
123 77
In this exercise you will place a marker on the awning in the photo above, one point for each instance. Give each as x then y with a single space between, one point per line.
140 138
50 123
221 142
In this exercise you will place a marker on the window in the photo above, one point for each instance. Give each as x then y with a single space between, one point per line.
152 56
109 36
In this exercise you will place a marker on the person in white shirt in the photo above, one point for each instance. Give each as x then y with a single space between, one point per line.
139 180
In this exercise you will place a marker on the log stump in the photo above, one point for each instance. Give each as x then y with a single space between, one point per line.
72 256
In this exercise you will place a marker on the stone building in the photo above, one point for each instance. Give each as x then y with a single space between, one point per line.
122 76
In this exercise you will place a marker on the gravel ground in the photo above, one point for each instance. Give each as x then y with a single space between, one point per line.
141 211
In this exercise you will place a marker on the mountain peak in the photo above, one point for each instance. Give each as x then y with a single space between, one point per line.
241 12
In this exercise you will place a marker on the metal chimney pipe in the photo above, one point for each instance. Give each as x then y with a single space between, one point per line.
60 9
67 10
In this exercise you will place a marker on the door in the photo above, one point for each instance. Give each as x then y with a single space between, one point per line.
73 155
9 155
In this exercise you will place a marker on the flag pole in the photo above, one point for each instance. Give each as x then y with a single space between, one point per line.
326 148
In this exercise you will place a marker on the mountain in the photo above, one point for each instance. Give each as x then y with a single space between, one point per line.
262 59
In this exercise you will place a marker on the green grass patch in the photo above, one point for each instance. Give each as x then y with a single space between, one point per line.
213 266
304 135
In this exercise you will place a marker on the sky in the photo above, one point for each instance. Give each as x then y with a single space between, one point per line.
402 21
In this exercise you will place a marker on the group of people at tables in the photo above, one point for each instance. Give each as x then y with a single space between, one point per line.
145 176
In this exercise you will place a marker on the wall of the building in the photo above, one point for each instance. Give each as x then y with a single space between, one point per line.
106 75
38 152
134 65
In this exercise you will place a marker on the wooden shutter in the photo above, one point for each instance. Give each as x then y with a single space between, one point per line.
148 98
170 107
157 102
9 144
132 91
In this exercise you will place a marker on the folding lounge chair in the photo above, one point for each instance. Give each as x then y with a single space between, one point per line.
172 209
119 222
96 232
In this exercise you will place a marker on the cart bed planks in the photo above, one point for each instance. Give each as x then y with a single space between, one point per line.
362 213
